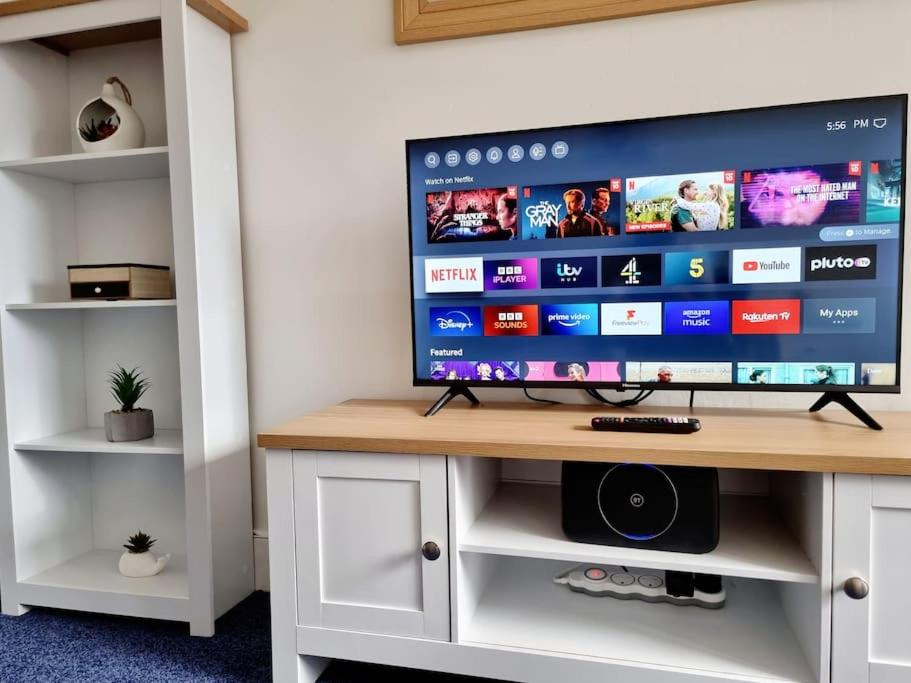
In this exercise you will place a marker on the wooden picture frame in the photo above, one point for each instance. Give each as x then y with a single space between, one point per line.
419 21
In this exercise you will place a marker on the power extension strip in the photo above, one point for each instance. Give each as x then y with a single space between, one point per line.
616 582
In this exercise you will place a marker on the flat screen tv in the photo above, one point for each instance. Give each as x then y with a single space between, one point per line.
758 249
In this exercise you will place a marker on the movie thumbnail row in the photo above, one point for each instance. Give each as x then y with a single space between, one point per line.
822 194
779 265
821 373
739 317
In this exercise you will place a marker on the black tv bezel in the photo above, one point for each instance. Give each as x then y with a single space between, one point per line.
670 386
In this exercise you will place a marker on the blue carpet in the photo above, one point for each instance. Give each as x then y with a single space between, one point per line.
51 645
48 646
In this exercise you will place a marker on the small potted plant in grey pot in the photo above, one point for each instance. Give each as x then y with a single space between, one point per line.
129 423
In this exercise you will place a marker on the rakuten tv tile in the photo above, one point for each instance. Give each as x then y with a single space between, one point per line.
766 316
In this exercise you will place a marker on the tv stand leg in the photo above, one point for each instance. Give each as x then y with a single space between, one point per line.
450 394
848 404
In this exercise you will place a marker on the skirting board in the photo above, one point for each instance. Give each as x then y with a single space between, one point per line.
261 561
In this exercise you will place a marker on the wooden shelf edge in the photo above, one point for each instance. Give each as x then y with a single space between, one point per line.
753 460
221 14
8 9
831 441
215 11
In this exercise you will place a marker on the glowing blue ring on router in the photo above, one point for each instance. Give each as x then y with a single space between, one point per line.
636 537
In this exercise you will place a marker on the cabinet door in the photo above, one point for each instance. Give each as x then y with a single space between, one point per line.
361 520
871 618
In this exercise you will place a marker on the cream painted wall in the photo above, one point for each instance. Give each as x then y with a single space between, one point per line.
325 100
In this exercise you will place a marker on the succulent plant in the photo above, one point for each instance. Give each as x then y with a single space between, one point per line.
139 542
127 387
92 132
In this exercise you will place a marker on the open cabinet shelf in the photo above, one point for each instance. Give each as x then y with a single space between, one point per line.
92 582
749 638
96 167
523 520
165 442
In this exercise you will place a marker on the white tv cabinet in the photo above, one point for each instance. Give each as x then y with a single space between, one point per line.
814 507
68 498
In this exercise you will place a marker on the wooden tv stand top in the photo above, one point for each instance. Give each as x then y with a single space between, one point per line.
829 441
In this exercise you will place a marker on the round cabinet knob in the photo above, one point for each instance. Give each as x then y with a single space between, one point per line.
856 588
431 551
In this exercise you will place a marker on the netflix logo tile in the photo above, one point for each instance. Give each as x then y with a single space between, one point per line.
766 316
511 321
442 275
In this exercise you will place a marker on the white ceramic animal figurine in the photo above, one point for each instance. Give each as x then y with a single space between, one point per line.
137 562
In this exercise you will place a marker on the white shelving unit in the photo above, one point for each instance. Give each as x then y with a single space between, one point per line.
68 497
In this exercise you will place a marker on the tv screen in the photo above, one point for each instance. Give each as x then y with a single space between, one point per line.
753 249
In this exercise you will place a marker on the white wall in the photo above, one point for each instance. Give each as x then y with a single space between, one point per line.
325 100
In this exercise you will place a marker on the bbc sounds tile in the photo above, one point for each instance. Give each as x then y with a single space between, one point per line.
511 321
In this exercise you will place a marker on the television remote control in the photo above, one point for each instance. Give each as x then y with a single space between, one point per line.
650 425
